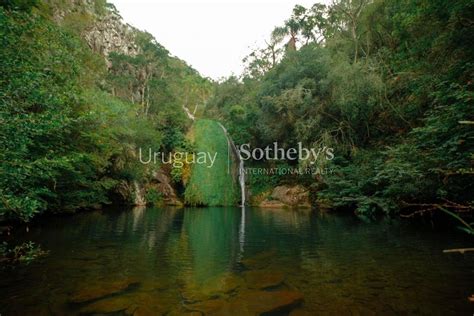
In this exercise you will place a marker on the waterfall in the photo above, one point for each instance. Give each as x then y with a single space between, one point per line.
234 149
241 178
241 165
242 230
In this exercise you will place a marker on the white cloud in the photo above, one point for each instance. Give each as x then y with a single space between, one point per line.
212 36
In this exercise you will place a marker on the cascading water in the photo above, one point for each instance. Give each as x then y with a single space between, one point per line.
241 165
234 149
241 178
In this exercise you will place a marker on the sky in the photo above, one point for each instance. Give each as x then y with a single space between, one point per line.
212 36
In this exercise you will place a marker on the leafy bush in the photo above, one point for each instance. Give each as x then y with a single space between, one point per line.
153 197
24 253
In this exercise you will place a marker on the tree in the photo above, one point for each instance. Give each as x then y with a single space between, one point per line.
345 18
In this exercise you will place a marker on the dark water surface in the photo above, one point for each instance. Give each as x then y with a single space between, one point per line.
220 261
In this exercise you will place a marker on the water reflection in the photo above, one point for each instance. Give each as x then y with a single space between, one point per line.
242 232
182 259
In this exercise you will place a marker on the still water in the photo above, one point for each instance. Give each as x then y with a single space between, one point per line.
219 261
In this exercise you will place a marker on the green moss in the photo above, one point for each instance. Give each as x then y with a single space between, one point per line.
216 185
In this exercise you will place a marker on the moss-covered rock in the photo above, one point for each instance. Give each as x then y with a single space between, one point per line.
216 184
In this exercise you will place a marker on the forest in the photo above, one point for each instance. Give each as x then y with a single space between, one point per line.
387 84
72 121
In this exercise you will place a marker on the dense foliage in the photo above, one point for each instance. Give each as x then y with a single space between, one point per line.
216 185
69 125
387 83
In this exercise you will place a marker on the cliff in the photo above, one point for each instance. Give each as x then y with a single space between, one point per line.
99 23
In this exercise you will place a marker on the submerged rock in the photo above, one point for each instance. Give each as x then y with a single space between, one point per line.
252 302
263 279
300 312
211 307
143 311
268 302
218 287
259 261
119 304
224 283
136 303
91 293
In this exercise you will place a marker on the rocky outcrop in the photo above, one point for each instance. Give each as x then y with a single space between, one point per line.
104 29
131 193
162 184
110 34
139 194
135 193
287 196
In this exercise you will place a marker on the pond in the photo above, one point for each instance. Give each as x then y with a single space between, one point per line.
226 261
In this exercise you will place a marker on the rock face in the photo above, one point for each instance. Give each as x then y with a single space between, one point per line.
162 184
287 196
139 194
106 31
102 28
110 34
